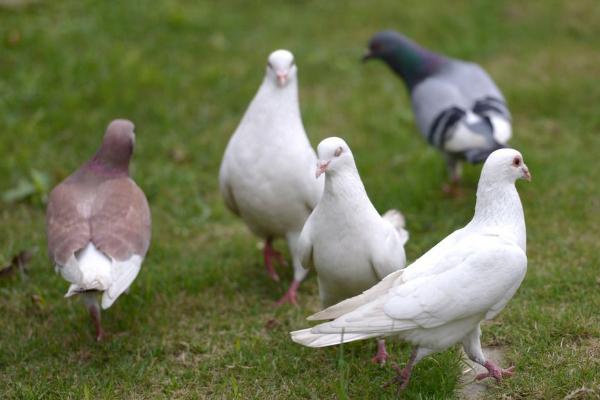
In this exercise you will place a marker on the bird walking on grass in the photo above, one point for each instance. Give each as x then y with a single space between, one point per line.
458 108
442 298
98 224
267 173
349 244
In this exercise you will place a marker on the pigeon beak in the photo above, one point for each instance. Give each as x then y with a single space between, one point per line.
526 174
282 78
321 168
367 56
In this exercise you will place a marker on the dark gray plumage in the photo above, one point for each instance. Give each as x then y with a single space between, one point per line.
458 107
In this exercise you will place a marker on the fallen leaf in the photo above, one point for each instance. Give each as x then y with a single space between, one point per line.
18 263
271 324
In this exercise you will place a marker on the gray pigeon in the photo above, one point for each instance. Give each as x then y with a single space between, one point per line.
98 224
458 107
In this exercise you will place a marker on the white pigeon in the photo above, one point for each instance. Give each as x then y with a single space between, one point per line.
345 239
267 173
442 297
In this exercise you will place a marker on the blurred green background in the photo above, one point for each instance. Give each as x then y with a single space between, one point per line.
198 321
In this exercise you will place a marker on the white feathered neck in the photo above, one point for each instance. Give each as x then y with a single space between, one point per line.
344 189
498 210
274 106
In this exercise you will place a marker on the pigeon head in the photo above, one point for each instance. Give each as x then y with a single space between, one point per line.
505 165
281 67
117 146
409 60
384 44
334 155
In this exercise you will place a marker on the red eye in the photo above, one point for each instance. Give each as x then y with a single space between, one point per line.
517 161
338 151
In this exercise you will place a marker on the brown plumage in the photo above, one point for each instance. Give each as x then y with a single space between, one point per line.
100 205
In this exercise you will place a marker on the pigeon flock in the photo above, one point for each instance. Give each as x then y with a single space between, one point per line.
99 224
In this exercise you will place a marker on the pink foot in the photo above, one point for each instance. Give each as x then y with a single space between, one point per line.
495 372
95 314
402 377
452 189
382 355
291 296
270 254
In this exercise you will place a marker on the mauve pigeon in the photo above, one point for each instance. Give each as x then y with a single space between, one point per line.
98 224
345 239
267 173
458 107
441 298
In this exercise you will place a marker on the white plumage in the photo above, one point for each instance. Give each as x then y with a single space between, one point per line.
93 270
442 297
345 239
267 172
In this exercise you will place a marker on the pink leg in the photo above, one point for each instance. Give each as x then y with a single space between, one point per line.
95 314
291 296
452 188
382 355
495 372
270 254
403 375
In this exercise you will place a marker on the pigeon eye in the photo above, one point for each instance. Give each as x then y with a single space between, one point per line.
269 64
517 162
338 151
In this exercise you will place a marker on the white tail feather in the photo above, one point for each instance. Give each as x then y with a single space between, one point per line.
351 304
306 338
398 221
88 270
91 270
124 273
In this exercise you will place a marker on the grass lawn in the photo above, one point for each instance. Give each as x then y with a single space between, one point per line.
198 321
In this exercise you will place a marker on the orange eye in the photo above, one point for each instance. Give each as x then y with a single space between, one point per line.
338 151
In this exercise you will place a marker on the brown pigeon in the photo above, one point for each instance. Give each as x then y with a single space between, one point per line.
98 224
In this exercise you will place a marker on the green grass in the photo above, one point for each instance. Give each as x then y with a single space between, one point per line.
198 321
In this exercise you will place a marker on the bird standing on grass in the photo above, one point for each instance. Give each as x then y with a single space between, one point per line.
267 173
441 298
345 239
458 107
98 224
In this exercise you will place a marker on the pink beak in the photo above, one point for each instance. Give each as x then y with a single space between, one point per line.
282 78
526 174
321 168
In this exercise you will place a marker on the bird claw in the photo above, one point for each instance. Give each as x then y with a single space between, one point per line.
100 335
495 372
381 356
452 189
288 298
270 254
291 296
401 379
